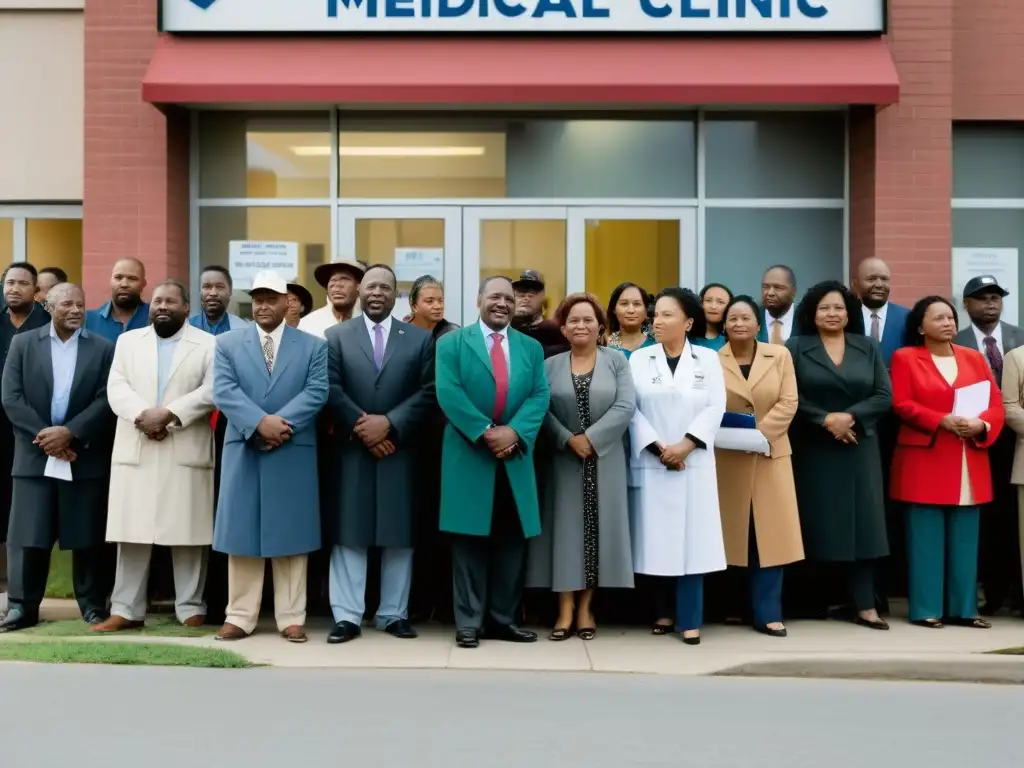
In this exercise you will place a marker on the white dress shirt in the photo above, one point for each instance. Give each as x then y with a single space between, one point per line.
504 344
997 334
786 320
881 312
275 339
385 327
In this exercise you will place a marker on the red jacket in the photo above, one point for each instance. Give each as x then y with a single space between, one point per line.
926 467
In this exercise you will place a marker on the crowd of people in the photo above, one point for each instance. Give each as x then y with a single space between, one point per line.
569 455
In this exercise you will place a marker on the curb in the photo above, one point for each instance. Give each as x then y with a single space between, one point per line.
980 669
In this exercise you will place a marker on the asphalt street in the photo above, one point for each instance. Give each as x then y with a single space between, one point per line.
130 716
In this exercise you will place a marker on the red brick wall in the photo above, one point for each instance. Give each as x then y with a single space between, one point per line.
912 167
136 157
988 60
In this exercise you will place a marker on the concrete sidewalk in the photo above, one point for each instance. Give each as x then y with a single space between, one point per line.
813 648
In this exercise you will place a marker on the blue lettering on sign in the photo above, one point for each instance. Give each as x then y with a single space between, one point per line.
571 9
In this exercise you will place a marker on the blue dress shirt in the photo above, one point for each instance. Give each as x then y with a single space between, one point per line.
103 322
64 355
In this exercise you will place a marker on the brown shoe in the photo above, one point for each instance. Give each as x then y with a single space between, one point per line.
116 624
194 621
231 632
294 634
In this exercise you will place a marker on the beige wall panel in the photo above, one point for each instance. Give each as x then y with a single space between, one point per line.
41 105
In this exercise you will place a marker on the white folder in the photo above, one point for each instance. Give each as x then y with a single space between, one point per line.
746 440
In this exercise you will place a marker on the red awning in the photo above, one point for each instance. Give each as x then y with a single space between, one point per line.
521 70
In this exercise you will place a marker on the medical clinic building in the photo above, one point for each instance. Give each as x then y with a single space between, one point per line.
660 141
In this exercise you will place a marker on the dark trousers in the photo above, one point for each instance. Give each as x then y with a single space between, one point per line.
765 585
216 591
860 583
29 569
488 571
891 580
680 598
942 549
999 553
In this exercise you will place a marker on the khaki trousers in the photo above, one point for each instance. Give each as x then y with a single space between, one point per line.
245 591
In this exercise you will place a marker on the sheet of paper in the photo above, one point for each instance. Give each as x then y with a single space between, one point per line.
747 440
970 401
58 469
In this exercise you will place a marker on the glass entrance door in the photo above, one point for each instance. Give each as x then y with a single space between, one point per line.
413 241
652 247
504 240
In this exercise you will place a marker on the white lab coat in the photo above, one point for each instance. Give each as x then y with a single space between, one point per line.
674 517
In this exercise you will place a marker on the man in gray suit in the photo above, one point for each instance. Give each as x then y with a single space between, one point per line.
381 395
55 395
998 552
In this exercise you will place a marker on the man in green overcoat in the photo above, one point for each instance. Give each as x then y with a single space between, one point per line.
491 385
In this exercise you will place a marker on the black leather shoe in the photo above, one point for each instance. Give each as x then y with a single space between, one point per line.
401 628
17 618
343 632
94 617
467 638
511 634
881 624
766 630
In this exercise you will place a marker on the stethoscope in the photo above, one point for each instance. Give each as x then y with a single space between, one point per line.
656 376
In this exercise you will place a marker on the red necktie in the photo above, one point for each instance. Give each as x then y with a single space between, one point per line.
500 368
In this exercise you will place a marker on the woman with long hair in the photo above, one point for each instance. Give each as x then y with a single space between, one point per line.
629 326
844 392
941 465
714 298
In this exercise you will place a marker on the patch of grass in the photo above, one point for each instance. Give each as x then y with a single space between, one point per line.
1009 652
158 626
59 584
144 654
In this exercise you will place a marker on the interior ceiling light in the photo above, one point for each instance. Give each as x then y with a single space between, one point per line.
320 151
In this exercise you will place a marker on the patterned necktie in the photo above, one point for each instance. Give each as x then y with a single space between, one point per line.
875 330
500 367
268 353
995 359
378 346
777 332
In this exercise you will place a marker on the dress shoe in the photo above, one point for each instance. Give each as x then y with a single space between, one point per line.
401 628
230 632
17 618
293 633
194 621
343 632
92 618
766 630
876 624
116 624
511 634
467 638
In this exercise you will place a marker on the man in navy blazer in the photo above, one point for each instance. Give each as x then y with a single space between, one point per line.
884 321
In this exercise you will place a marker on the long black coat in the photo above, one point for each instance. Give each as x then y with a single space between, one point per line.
376 498
839 487
37 319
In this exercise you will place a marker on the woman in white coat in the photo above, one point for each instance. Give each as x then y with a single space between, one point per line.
673 493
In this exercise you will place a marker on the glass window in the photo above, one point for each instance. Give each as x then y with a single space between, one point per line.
776 155
740 244
402 164
641 252
991 229
507 247
309 228
55 243
244 154
413 242
6 241
988 160
602 158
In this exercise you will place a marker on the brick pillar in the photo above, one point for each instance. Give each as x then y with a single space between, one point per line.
135 197
905 156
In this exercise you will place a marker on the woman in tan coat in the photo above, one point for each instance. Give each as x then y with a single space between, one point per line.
756 493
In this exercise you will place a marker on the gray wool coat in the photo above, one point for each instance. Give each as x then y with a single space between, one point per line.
556 556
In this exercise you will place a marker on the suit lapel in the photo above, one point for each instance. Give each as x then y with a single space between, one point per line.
82 360
186 344
815 351
256 351
395 339
733 374
362 334
517 357
476 342
762 363
285 355
46 361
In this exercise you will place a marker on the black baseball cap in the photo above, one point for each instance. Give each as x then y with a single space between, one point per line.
984 284
529 280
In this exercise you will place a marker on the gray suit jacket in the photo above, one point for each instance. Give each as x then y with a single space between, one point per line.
28 389
375 498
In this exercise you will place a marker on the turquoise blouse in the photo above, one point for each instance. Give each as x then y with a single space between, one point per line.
716 343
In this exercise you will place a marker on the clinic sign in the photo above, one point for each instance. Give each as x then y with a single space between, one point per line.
368 17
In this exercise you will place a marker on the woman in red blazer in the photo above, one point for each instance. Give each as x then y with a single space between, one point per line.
940 467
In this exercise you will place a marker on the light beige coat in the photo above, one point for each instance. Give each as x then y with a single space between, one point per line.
1013 400
162 492
762 483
